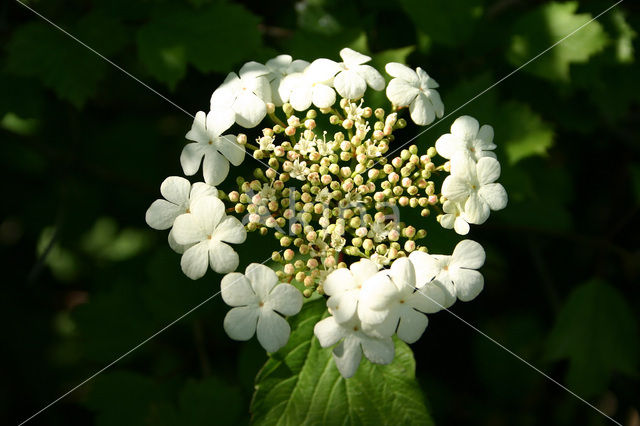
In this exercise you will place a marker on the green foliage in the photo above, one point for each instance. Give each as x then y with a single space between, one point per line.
557 20
598 333
524 133
300 384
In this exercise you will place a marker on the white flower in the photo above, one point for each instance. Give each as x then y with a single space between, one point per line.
454 218
208 228
179 194
305 146
217 150
266 143
280 67
258 299
267 193
455 274
352 81
324 148
344 286
348 353
299 170
245 95
390 302
324 196
380 260
379 231
313 86
416 90
467 136
472 186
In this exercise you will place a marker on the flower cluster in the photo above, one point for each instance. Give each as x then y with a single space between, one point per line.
331 185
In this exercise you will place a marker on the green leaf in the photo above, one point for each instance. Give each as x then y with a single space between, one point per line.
38 50
541 28
447 22
596 330
300 384
522 132
176 36
400 55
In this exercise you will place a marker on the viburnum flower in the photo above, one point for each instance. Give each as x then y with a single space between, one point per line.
313 86
456 274
280 67
467 136
208 228
245 94
217 149
259 301
454 218
391 302
473 186
299 170
344 287
353 342
416 90
351 82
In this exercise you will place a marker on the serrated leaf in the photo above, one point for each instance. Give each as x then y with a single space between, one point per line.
176 36
38 50
447 22
300 384
596 330
557 20
522 132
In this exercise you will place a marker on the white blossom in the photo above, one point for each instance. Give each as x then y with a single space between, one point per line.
353 342
299 170
313 86
266 143
416 90
344 286
390 302
473 186
209 229
324 196
245 94
280 67
216 149
259 301
305 146
380 260
455 274
454 218
351 82
467 136
380 230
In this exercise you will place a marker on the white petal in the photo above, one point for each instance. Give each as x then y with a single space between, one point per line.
161 214
385 327
436 102
378 351
215 168
279 63
426 267
447 145
429 299
296 66
301 96
350 84
198 132
195 260
223 258
465 127
488 170
476 210
486 133
252 70
347 356
343 307
273 330
455 189
494 195
262 278
448 289
378 292
351 57
363 270
426 82
236 290
201 189
412 325
225 95
403 273
371 75
447 221
187 229
401 93
190 158
338 281
395 69
219 120
230 230
262 89
240 323
285 299
468 254
173 244
328 332
175 189
249 109
469 284
461 226
208 211
323 96
230 148
421 110
322 70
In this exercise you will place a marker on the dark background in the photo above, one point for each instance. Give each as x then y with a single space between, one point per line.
84 149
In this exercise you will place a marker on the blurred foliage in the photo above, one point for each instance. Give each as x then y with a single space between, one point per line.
85 147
